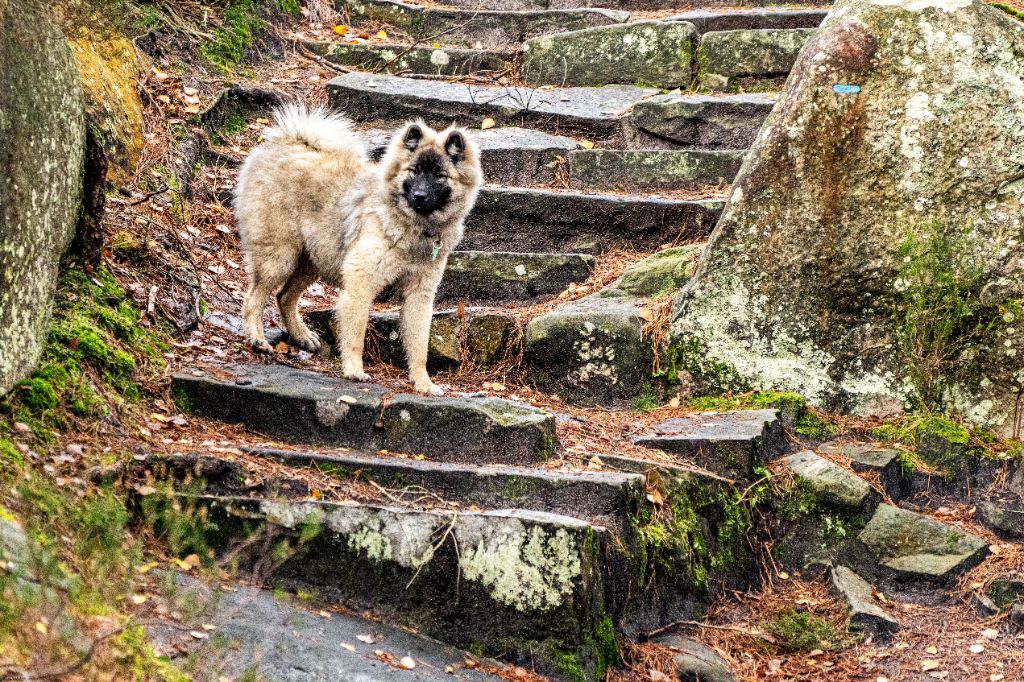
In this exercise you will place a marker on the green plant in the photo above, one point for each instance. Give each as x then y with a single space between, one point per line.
646 401
1015 13
939 313
229 43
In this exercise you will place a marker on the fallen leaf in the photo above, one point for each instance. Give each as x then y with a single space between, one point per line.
348 647
146 568
939 674
487 124
340 29
976 648
281 347
932 650
208 627
586 144
347 399
139 599
996 677
198 634
929 664
989 633
436 45
658 676
784 575
674 402
365 639
41 627
407 663
382 34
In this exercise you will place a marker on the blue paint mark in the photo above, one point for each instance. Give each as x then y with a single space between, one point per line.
842 89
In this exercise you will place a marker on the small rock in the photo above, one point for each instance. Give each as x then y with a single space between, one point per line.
865 614
1017 615
1005 591
831 484
696 662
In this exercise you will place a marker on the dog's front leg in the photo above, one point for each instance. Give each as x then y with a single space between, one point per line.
417 313
351 315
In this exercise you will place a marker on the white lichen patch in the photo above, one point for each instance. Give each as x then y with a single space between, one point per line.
920 5
527 568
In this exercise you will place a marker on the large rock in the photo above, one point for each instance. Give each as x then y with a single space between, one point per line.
898 119
760 53
590 351
42 141
649 53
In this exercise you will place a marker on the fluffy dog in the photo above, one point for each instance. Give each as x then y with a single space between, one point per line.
311 205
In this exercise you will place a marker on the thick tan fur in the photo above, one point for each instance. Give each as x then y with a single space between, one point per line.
311 205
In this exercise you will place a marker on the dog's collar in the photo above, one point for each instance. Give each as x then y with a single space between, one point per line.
435 250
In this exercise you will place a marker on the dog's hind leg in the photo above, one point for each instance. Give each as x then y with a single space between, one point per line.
288 303
266 277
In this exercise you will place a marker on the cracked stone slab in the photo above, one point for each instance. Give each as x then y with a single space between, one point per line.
727 443
606 498
915 546
865 615
442 61
490 28
733 19
831 484
465 577
646 170
526 219
499 277
593 112
707 121
491 430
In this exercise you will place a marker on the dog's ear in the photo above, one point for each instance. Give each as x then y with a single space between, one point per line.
413 136
455 146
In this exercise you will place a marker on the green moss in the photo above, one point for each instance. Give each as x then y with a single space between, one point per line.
1015 13
711 377
810 425
791 405
126 247
227 47
519 488
893 433
943 428
11 461
36 394
800 632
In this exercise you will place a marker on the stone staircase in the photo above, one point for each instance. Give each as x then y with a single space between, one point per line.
461 517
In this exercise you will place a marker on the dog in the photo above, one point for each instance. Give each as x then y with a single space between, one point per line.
311 205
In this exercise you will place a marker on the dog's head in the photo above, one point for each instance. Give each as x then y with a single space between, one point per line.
433 176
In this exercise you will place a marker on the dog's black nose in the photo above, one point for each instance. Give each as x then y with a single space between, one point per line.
419 198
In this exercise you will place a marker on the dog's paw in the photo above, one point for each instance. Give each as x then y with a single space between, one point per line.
310 343
427 387
357 376
259 345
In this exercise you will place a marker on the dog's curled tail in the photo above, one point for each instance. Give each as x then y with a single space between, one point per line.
316 128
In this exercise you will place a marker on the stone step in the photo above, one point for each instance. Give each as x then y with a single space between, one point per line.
489 28
598 114
391 100
654 53
865 614
528 219
727 443
533 587
626 5
738 18
712 122
639 170
309 407
752 58
496 277
909 546
397 58
604 498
